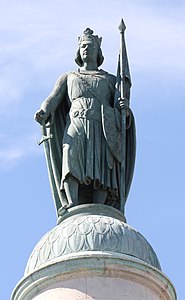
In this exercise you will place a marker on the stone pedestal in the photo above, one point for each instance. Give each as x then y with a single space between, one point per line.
93 254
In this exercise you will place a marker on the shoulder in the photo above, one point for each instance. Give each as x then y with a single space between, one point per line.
61 81
62 77
109 76
71 74
112 78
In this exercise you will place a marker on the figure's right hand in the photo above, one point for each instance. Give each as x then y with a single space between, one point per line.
40 116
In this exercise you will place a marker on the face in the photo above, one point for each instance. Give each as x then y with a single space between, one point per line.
88 51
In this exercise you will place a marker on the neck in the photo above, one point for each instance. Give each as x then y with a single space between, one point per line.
89 66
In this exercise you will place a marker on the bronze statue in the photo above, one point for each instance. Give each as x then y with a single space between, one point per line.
81 123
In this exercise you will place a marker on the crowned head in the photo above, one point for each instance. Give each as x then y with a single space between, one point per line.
88 36
89 40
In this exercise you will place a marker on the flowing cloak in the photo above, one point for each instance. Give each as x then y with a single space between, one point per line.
79 145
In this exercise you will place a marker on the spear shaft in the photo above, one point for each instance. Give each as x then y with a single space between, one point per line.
123 62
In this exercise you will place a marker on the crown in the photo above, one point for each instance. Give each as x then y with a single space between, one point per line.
88 36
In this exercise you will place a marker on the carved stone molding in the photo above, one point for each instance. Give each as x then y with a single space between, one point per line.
91 228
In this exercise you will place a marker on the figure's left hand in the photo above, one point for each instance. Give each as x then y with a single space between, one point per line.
124 104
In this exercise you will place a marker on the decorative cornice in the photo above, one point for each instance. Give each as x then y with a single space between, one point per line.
95 264
85 229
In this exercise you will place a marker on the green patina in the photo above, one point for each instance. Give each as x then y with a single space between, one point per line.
89 131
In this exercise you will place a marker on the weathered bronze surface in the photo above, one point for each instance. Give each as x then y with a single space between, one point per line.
90 151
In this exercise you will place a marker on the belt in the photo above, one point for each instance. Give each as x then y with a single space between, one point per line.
85 113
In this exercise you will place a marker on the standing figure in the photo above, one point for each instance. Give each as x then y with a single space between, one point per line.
82 134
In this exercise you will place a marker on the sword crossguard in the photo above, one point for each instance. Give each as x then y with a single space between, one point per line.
45 138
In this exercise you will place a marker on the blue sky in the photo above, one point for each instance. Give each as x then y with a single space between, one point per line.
38 43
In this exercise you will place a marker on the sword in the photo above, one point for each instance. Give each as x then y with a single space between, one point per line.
60 201
44 140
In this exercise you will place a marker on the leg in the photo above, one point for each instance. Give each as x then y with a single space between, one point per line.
99 196
71 190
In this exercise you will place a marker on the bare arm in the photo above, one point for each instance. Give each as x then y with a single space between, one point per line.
49 105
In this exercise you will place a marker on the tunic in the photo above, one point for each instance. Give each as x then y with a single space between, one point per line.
86 155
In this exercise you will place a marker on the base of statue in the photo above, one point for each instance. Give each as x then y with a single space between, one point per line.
91 209
93 254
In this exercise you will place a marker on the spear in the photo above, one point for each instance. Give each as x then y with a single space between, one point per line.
124 107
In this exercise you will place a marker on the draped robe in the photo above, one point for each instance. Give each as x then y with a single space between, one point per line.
78 146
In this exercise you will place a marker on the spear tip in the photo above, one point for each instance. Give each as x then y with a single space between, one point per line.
122 26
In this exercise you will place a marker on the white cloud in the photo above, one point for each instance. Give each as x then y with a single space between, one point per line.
39 40
12 88
15 150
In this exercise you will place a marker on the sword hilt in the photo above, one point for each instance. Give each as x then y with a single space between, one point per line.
45 138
